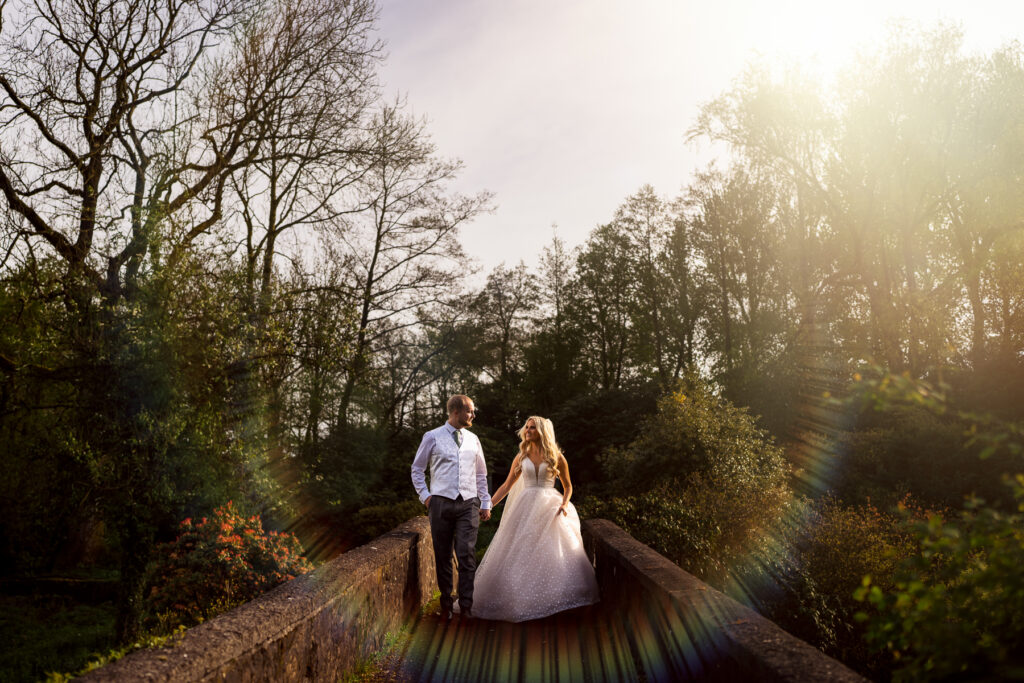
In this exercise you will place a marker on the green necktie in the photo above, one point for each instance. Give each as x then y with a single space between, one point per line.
458 437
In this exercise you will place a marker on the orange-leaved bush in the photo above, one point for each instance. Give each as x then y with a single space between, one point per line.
218 562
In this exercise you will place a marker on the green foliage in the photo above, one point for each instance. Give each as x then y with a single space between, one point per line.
697 431
129 413
957 607
371 522
844 544
344 468
701 483
46 633
911 436
911 448
954 608
770 388
42 492
97 661
703 526
589 424
218 562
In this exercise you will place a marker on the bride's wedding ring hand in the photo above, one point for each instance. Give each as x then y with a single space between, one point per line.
561 508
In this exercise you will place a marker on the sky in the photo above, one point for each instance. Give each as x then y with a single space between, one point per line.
563 108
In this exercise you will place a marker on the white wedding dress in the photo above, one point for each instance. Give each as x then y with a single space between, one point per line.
535 565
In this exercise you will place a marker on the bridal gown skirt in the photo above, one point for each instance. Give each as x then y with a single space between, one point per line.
535 565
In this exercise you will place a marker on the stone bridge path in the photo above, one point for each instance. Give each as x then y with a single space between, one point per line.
585 644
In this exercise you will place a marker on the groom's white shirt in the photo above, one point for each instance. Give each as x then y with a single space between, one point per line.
454 470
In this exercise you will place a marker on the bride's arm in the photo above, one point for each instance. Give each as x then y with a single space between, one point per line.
507 486
563 474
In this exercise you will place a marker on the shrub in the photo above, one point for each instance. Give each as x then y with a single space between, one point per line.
702 483
371 522
696 431
216 563
843 545
911 448
957 608
704 526
847 543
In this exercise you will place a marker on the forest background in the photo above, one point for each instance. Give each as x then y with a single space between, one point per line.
231 272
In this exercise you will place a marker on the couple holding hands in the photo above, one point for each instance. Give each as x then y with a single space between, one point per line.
535 565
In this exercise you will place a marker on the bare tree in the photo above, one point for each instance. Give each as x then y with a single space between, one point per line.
87 89
314 144
405 250
324 327
503 311
123 127
312 149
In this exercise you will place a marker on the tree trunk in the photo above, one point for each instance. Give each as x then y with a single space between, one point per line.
136 549
978 318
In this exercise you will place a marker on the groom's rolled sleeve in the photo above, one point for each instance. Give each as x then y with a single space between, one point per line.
481 478
419 466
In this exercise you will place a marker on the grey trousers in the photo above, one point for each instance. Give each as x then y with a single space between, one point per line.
454 524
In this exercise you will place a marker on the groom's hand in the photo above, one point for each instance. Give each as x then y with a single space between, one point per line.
485 515
427 502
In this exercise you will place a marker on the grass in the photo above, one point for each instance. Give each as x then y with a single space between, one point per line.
43 634
98 660
55 638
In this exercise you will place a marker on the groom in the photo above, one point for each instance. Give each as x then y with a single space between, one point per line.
457 499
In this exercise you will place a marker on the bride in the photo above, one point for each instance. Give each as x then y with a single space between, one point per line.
535 565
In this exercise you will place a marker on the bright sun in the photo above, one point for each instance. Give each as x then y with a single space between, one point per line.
826 35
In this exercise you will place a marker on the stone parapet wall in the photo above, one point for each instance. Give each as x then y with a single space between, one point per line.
682 629
323 625
316 627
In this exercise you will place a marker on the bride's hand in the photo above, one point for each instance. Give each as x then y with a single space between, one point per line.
561 508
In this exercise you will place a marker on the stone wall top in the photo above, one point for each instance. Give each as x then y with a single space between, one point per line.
311 627
701 616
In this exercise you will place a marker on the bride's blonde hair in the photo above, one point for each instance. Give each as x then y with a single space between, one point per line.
549 450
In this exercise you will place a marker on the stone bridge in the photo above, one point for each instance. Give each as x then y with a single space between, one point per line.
655 622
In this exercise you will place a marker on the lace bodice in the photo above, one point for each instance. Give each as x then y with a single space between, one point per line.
537 477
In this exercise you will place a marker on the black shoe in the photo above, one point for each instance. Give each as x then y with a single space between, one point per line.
446 614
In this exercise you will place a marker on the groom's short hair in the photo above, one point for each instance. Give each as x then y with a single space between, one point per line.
458 402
